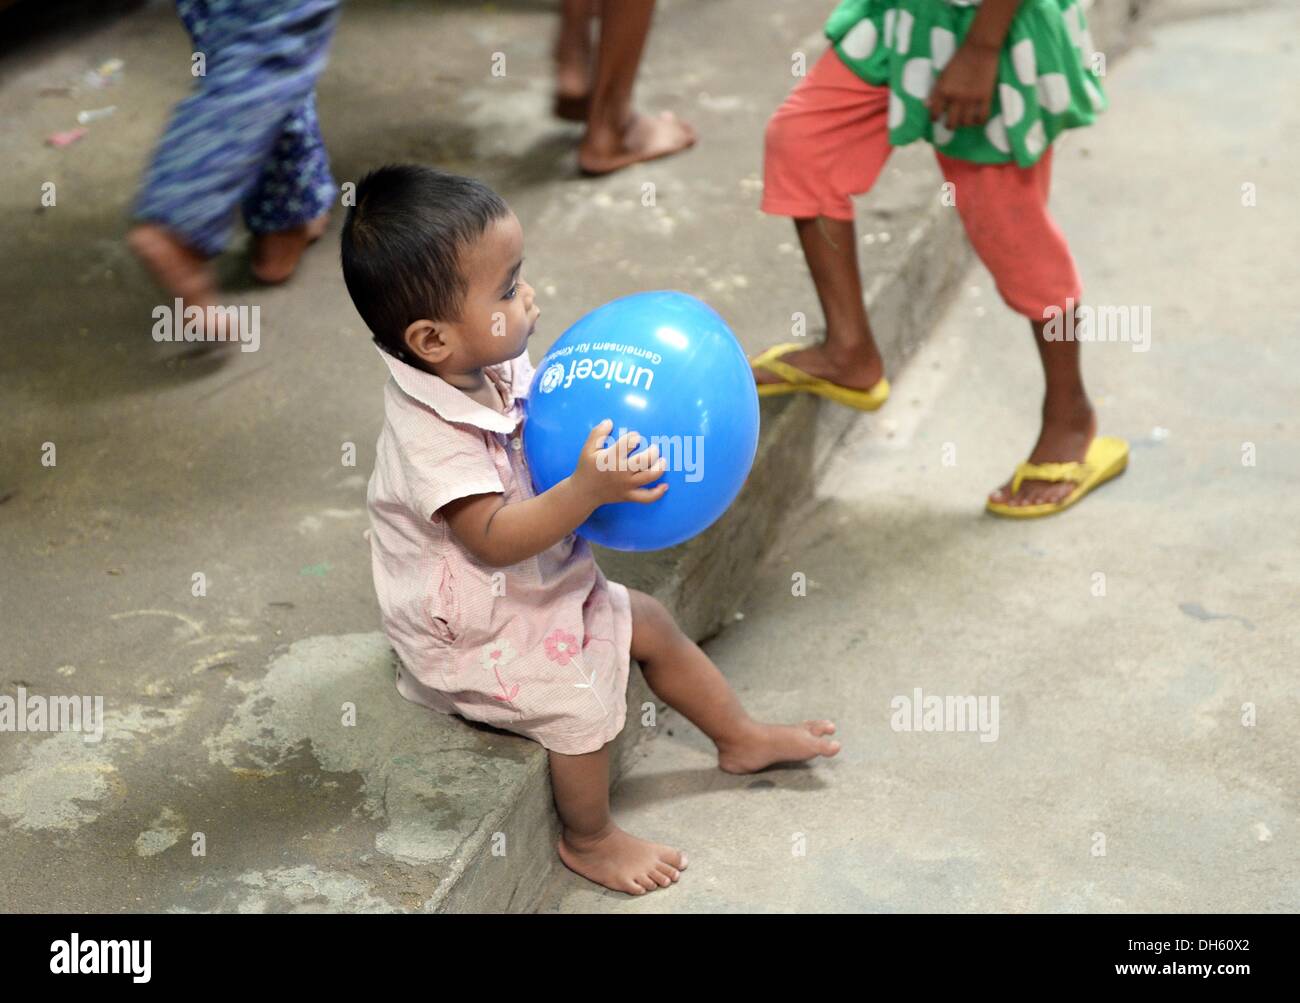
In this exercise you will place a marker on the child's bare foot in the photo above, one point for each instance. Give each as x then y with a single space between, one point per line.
642 138
860 371
778 743
1066 434
276 255
620 861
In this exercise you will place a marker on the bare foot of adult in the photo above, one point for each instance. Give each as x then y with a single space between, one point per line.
174 265
276 255
859 370
620 861
644 137
1065 436
187 275
766 744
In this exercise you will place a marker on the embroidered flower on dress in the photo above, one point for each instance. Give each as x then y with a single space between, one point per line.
493 656
561 646
496 654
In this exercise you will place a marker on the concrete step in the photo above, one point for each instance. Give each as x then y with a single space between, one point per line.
917 255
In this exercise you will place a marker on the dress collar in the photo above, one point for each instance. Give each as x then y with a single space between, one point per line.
452 404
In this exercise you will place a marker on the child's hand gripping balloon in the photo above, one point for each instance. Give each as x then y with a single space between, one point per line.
614 473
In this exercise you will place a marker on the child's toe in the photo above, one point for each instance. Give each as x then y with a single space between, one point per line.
1042 494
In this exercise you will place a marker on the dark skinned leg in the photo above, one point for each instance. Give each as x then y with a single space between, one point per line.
617 136
849 355
573 59
685 678
591 844
1069 422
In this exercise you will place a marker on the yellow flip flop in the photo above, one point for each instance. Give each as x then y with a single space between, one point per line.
797 381
1107 458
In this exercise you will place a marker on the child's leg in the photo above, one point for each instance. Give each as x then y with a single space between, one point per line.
849 355
683 677
591 844
828 141
1004 210
1069 422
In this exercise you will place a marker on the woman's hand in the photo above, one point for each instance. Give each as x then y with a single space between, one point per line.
963 94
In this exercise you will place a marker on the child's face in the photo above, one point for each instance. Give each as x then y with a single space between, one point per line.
498 314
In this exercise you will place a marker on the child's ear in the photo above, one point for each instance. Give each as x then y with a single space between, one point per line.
428 340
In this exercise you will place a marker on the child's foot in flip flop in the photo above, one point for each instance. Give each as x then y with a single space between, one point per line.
767 744
642 138
860 371
1065 437
620 861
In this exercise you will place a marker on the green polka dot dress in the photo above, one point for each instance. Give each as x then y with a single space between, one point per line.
1047 73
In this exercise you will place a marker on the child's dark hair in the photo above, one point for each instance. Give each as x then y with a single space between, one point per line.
402 242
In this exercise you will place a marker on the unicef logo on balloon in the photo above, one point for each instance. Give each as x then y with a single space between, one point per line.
666 366
552 377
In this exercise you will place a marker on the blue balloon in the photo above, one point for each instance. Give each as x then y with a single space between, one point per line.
665 365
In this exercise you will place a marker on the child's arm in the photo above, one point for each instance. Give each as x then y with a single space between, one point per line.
499 534
963 94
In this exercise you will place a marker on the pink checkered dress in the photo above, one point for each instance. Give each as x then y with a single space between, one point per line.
540 648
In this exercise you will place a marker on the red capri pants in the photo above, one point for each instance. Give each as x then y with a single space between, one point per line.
830 140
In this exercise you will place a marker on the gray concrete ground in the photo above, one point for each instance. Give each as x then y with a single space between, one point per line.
1120 715
224 709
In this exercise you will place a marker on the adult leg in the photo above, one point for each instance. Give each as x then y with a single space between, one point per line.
618 136
175 264
573 59
288 208
262 60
